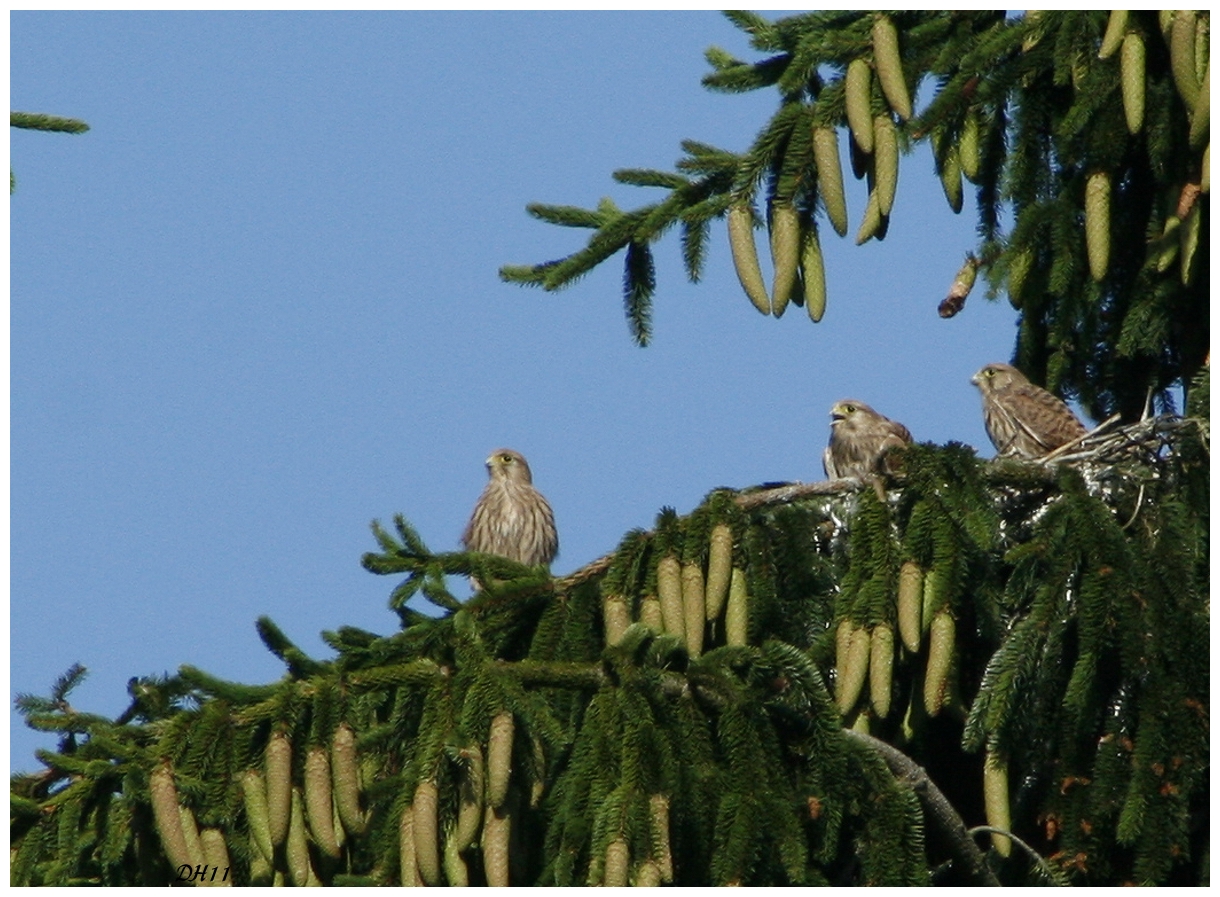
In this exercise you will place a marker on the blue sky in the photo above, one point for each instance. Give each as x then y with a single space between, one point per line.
257 306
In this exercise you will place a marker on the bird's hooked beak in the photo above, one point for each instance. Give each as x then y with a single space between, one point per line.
975 379
836 415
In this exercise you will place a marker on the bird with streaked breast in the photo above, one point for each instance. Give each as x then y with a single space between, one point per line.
511 518
859 440
1023 419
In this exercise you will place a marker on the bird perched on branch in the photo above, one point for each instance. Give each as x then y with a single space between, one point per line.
511 518
1023 419
859 440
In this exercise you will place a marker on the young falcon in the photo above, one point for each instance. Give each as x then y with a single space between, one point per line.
1023 419
511 518
859 439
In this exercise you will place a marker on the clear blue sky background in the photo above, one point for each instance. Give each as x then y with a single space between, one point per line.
257 306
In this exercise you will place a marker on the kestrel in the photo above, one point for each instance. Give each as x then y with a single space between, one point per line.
511 518
1023 419
859 438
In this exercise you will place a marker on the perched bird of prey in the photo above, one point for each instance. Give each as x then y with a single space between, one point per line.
1023 419
859 438
511 518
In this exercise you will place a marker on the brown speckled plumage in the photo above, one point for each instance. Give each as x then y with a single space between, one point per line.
511 518
1023 419
859 438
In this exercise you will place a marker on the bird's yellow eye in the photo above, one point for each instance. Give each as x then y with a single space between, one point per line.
849 408
506 458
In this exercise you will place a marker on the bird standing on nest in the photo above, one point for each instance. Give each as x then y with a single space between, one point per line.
1023 419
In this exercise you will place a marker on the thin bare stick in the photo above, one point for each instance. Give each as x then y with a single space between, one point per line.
1063 449
1038 859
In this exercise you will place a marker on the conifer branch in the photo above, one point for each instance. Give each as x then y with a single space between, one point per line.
775 495
223 688
589 676
1038 860
638 713
1081 642
1098 446
37 121
942 813
1026 110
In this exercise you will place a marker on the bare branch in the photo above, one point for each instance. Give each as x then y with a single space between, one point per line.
939 809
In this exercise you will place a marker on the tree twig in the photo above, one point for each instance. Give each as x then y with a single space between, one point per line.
940 810
1038 859
787 492
590 676
755 498
1067 446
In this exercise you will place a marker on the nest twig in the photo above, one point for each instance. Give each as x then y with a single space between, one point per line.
1144 440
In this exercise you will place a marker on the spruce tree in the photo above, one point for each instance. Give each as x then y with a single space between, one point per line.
806 684
1090 130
